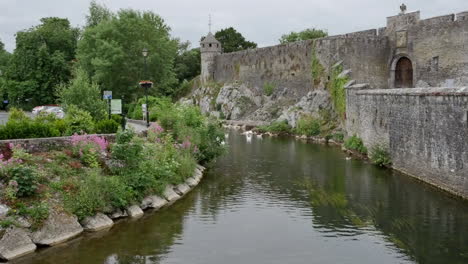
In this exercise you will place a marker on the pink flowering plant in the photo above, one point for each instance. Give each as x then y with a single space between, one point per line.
155 132
91 149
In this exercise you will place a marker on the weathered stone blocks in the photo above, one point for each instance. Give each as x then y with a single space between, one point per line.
134 211
96 223
182 189
14 243
192 182
170 195
59 227
153 202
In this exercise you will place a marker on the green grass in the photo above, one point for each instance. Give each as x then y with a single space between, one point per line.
268 88
380 156
355 143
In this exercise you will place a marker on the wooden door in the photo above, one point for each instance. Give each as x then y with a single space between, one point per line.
404 73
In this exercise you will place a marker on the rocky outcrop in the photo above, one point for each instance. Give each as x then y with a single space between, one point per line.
153 202
170 195
134 211
237 100
96 223
311 104
59 227
14 243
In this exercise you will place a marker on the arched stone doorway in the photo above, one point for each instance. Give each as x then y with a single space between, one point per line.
403 73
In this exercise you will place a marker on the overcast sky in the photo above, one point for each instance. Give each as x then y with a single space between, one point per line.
261 21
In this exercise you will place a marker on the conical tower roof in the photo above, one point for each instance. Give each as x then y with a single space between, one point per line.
209 39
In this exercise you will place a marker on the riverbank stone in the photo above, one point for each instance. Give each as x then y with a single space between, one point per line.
182 189
200 167
134 211
14 243
96 223
4 210
153 202
198 175
59 227
119 213
170 195
191 182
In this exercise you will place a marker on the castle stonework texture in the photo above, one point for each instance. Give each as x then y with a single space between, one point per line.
406 88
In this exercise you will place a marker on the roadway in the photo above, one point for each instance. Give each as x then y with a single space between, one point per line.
3 117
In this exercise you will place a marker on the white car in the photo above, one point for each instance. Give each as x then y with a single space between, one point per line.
56 110
36 110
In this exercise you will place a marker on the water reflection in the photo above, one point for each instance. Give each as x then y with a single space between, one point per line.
284 201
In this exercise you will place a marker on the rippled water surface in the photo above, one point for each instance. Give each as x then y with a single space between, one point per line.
283 201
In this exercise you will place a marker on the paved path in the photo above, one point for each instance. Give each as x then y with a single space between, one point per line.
137 126
3 117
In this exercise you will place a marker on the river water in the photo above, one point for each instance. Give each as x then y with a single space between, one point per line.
280 200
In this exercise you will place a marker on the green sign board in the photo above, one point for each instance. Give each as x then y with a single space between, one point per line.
116 106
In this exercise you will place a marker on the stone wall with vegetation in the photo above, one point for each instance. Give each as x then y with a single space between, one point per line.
287 81
425 130
51 190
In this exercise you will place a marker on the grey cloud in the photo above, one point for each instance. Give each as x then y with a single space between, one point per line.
262 21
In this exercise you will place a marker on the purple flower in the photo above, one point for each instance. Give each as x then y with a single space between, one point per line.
156 128
13 183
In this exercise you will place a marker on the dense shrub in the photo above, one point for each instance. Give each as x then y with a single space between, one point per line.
279 127
355 143
107 126
380 156
93 176
137 112
127 151
78 121
211 142
308 125
26 179
83 94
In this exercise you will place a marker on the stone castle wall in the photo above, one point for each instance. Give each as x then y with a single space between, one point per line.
426 130
289 68
436 47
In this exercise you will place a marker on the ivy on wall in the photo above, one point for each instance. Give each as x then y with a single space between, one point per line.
317 70
337 91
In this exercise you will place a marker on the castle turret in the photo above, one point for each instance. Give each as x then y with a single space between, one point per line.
209 48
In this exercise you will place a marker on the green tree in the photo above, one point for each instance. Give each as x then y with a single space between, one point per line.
83 94
187 62
310 33
97 14
4 58
4 61
111 52
42 59
231 40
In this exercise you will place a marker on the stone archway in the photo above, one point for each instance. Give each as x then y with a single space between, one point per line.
403 73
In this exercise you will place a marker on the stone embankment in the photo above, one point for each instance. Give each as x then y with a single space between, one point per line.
16 241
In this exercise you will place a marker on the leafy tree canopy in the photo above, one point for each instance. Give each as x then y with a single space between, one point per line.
42 59
97 14
232 41
4 58
83 94
4 61
187 62
111 51
310 33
